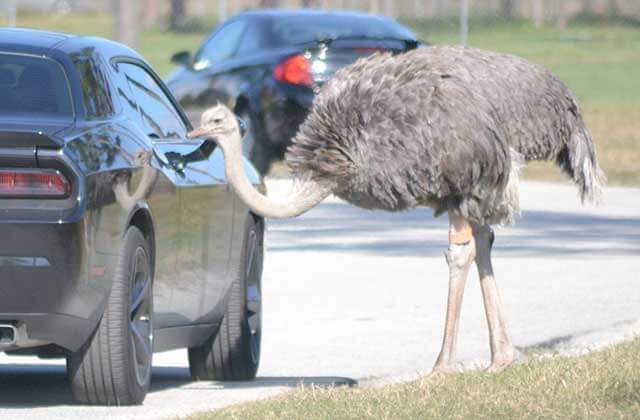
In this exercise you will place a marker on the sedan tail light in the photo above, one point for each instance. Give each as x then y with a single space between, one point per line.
33 183
295 70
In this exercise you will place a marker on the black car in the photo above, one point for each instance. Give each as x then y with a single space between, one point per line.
119 236
266 65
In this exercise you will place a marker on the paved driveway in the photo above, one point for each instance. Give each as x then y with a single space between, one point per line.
355 296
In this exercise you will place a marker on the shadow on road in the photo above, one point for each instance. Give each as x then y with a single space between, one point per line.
42 385
344 228
559 343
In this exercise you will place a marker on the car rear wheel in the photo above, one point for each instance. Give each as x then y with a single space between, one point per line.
253 145
233 353
114 367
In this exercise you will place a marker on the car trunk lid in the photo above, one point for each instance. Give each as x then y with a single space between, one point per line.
35 134
326 57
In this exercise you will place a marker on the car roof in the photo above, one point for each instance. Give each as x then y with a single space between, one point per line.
66 49
286 13
36 41
31 37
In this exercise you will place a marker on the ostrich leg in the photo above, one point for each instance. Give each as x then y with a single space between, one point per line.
502 353
459 258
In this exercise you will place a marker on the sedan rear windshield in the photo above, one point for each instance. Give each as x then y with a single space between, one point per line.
33 86
303 29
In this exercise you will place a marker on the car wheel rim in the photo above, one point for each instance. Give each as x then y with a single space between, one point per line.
140 323
254 296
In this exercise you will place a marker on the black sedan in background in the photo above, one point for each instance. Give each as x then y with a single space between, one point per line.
119 236
266 65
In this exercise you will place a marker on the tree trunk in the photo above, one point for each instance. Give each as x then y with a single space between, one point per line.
125 22
374 6
178 17
563 18
508 9
150 12
613 8
537 13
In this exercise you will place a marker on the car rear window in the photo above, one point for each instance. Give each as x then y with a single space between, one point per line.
33 86
302 29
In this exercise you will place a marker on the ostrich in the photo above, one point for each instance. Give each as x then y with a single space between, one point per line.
443 127
120 184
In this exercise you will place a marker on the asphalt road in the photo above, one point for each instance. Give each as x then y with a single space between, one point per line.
356 297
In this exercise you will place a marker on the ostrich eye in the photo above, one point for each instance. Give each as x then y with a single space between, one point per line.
217 120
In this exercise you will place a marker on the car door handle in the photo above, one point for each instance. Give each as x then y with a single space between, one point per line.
177 161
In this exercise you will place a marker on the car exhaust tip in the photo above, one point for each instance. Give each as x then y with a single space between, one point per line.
8 335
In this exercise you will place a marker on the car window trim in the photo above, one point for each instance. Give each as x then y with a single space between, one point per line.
64 73
135 61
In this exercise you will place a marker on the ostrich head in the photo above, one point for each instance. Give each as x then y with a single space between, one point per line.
222 125
226 130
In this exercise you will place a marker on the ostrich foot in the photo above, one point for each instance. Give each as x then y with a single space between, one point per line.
444 369
502 361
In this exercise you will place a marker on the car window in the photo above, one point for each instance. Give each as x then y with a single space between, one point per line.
252 40
32 85
158 114
128 102
221 46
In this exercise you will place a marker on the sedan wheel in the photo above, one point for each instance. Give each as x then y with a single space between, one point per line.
114 367
233 352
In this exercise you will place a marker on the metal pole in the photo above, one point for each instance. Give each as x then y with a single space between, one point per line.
464 21
222 10
13 11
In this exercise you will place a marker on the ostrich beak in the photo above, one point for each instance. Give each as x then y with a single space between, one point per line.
198 132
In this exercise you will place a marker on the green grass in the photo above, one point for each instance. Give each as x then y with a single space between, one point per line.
603 385
599 61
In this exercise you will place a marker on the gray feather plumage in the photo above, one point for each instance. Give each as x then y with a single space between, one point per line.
445 127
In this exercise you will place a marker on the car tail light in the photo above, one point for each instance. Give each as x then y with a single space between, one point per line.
295 70
36 183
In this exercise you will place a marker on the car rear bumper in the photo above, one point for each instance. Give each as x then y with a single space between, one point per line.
46 286
41 329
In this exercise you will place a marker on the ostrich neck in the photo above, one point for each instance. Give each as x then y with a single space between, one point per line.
305 195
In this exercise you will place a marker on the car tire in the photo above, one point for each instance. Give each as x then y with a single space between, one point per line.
253 144
233 352
114 367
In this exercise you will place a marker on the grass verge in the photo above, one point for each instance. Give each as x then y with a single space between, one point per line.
601 385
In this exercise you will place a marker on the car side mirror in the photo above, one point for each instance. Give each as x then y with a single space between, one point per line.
182 58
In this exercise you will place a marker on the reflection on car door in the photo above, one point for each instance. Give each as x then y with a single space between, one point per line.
208 219
162 201
205 207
